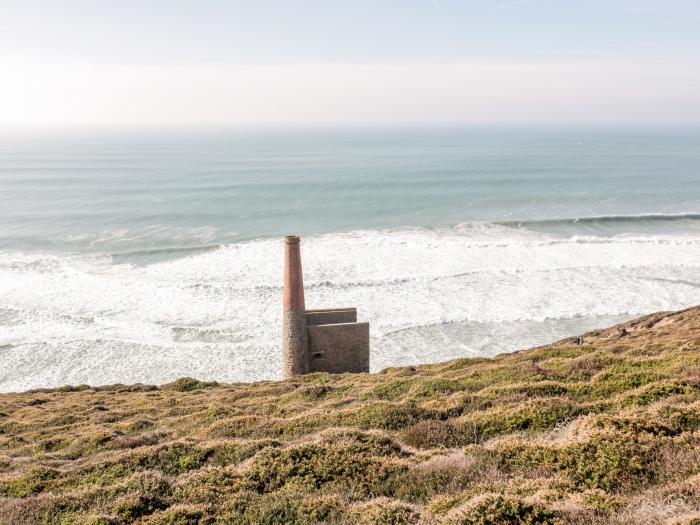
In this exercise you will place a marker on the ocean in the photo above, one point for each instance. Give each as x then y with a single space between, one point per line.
145 257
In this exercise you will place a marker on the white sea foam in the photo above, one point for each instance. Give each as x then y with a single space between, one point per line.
430 295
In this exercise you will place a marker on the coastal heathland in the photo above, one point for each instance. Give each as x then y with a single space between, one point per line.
603 430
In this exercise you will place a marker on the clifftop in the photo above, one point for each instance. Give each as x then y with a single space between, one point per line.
600 432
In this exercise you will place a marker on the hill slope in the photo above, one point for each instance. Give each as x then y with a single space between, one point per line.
603 432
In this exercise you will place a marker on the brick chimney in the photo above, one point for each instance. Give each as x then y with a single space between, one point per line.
295 346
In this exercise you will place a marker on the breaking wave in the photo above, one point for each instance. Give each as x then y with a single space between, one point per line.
608 219
430 294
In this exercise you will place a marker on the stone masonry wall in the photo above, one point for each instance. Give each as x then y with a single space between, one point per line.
338 348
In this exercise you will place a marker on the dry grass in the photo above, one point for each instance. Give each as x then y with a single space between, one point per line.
606 432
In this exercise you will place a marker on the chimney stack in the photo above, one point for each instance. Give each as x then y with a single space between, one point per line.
295 346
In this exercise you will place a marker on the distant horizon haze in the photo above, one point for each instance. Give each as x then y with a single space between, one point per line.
83 65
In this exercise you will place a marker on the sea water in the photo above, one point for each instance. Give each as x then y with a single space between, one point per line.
145 257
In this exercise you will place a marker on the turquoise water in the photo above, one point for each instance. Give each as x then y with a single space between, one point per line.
148 257
128 194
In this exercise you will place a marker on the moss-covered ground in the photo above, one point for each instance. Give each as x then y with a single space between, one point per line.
603 432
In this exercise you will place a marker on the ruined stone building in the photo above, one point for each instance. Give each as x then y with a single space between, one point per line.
328 340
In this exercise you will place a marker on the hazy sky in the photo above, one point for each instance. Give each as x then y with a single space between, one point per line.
143 63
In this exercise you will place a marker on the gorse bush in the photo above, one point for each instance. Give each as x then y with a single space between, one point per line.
436 434
506 511
187 384
314 466
608 462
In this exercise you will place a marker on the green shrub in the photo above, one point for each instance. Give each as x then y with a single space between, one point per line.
502 511
668 421
358 442
385 512
88 444
606 463
128 508
433 434
138 425
231 453
314 392
180 515
172 458
614 382
431 388
176 458
655 392
209 486
382 415
443 475
34 482
535 415
282 507
187 384
315 466
391 390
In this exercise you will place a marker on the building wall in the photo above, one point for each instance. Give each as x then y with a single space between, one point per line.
339 348
331 316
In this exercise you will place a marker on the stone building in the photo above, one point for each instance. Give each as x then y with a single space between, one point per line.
328 340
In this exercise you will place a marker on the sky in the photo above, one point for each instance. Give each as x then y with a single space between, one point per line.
298 63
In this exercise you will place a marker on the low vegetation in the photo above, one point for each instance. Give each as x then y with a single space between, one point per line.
601 432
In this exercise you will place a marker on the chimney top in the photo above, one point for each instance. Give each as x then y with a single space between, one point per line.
291 239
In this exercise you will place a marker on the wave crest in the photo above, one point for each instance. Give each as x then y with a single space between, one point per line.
430 294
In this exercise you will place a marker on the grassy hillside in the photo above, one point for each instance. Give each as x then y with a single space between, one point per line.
606 432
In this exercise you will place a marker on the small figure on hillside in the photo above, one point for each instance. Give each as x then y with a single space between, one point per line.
579 340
